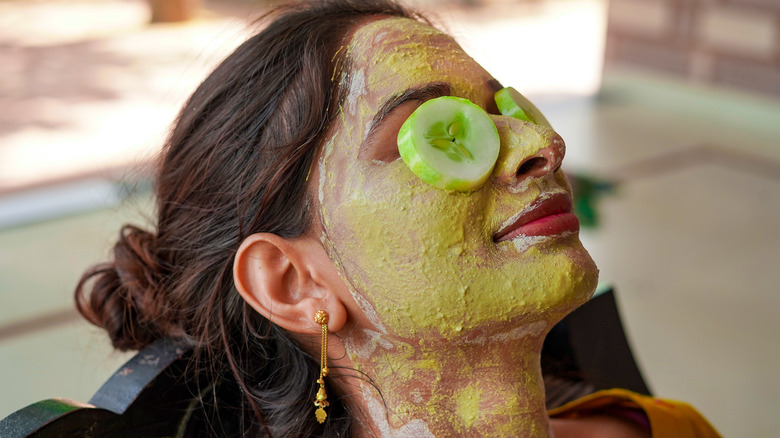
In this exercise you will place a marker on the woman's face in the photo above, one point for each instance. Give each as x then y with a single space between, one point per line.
423 262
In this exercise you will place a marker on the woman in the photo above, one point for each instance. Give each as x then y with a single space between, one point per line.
280 194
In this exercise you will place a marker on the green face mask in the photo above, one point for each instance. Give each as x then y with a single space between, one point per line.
420 261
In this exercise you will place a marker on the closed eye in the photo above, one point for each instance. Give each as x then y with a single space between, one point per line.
490 105
380 143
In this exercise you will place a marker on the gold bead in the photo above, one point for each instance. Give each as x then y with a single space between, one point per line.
321 317
321 415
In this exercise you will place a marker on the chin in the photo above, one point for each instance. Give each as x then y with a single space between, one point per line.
570 279
582 280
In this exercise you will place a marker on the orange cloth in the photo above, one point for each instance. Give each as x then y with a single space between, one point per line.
667 418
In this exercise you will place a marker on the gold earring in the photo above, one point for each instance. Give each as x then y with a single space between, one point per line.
321 400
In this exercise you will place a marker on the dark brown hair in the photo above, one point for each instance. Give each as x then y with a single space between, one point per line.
236 163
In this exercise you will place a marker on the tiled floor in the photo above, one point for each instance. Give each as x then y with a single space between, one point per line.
689 237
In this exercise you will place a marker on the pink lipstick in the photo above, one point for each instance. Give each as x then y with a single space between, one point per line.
550 216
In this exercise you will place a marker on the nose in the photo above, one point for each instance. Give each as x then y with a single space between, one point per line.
527 151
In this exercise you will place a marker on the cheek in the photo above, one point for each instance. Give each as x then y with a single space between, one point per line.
387 216
399 241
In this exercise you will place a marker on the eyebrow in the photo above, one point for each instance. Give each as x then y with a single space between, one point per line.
421 93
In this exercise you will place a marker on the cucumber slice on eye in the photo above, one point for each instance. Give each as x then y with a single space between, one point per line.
450 143
511 103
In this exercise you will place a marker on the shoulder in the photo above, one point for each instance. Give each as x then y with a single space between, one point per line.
661 417
598 426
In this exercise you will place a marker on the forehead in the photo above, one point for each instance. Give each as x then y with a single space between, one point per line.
390 55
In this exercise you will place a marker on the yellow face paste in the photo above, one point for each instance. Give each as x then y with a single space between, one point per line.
422 261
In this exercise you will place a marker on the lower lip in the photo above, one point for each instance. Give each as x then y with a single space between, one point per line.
552 225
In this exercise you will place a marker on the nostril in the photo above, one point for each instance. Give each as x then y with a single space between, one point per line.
533 165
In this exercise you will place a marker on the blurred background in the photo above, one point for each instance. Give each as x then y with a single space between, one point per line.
670 110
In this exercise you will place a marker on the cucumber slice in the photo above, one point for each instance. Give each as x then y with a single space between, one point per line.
450 143
511 103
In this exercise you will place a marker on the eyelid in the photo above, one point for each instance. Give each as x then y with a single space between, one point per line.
494 86
422 94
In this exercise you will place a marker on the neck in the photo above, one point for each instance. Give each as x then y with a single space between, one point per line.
488 385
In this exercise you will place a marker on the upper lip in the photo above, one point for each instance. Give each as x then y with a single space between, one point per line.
544 205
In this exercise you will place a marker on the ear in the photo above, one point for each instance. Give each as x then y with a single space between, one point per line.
288 281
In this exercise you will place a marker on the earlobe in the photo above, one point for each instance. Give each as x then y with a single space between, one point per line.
288 281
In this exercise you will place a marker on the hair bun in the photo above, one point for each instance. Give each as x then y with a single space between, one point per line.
135 260
124 297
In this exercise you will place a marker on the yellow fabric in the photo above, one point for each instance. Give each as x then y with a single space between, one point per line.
667 418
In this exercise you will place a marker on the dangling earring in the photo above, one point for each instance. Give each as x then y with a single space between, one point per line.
321 400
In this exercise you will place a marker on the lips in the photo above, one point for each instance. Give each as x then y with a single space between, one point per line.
547 216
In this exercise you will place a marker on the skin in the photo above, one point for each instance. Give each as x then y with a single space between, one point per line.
446 322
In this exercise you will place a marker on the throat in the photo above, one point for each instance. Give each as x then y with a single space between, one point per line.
488 387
